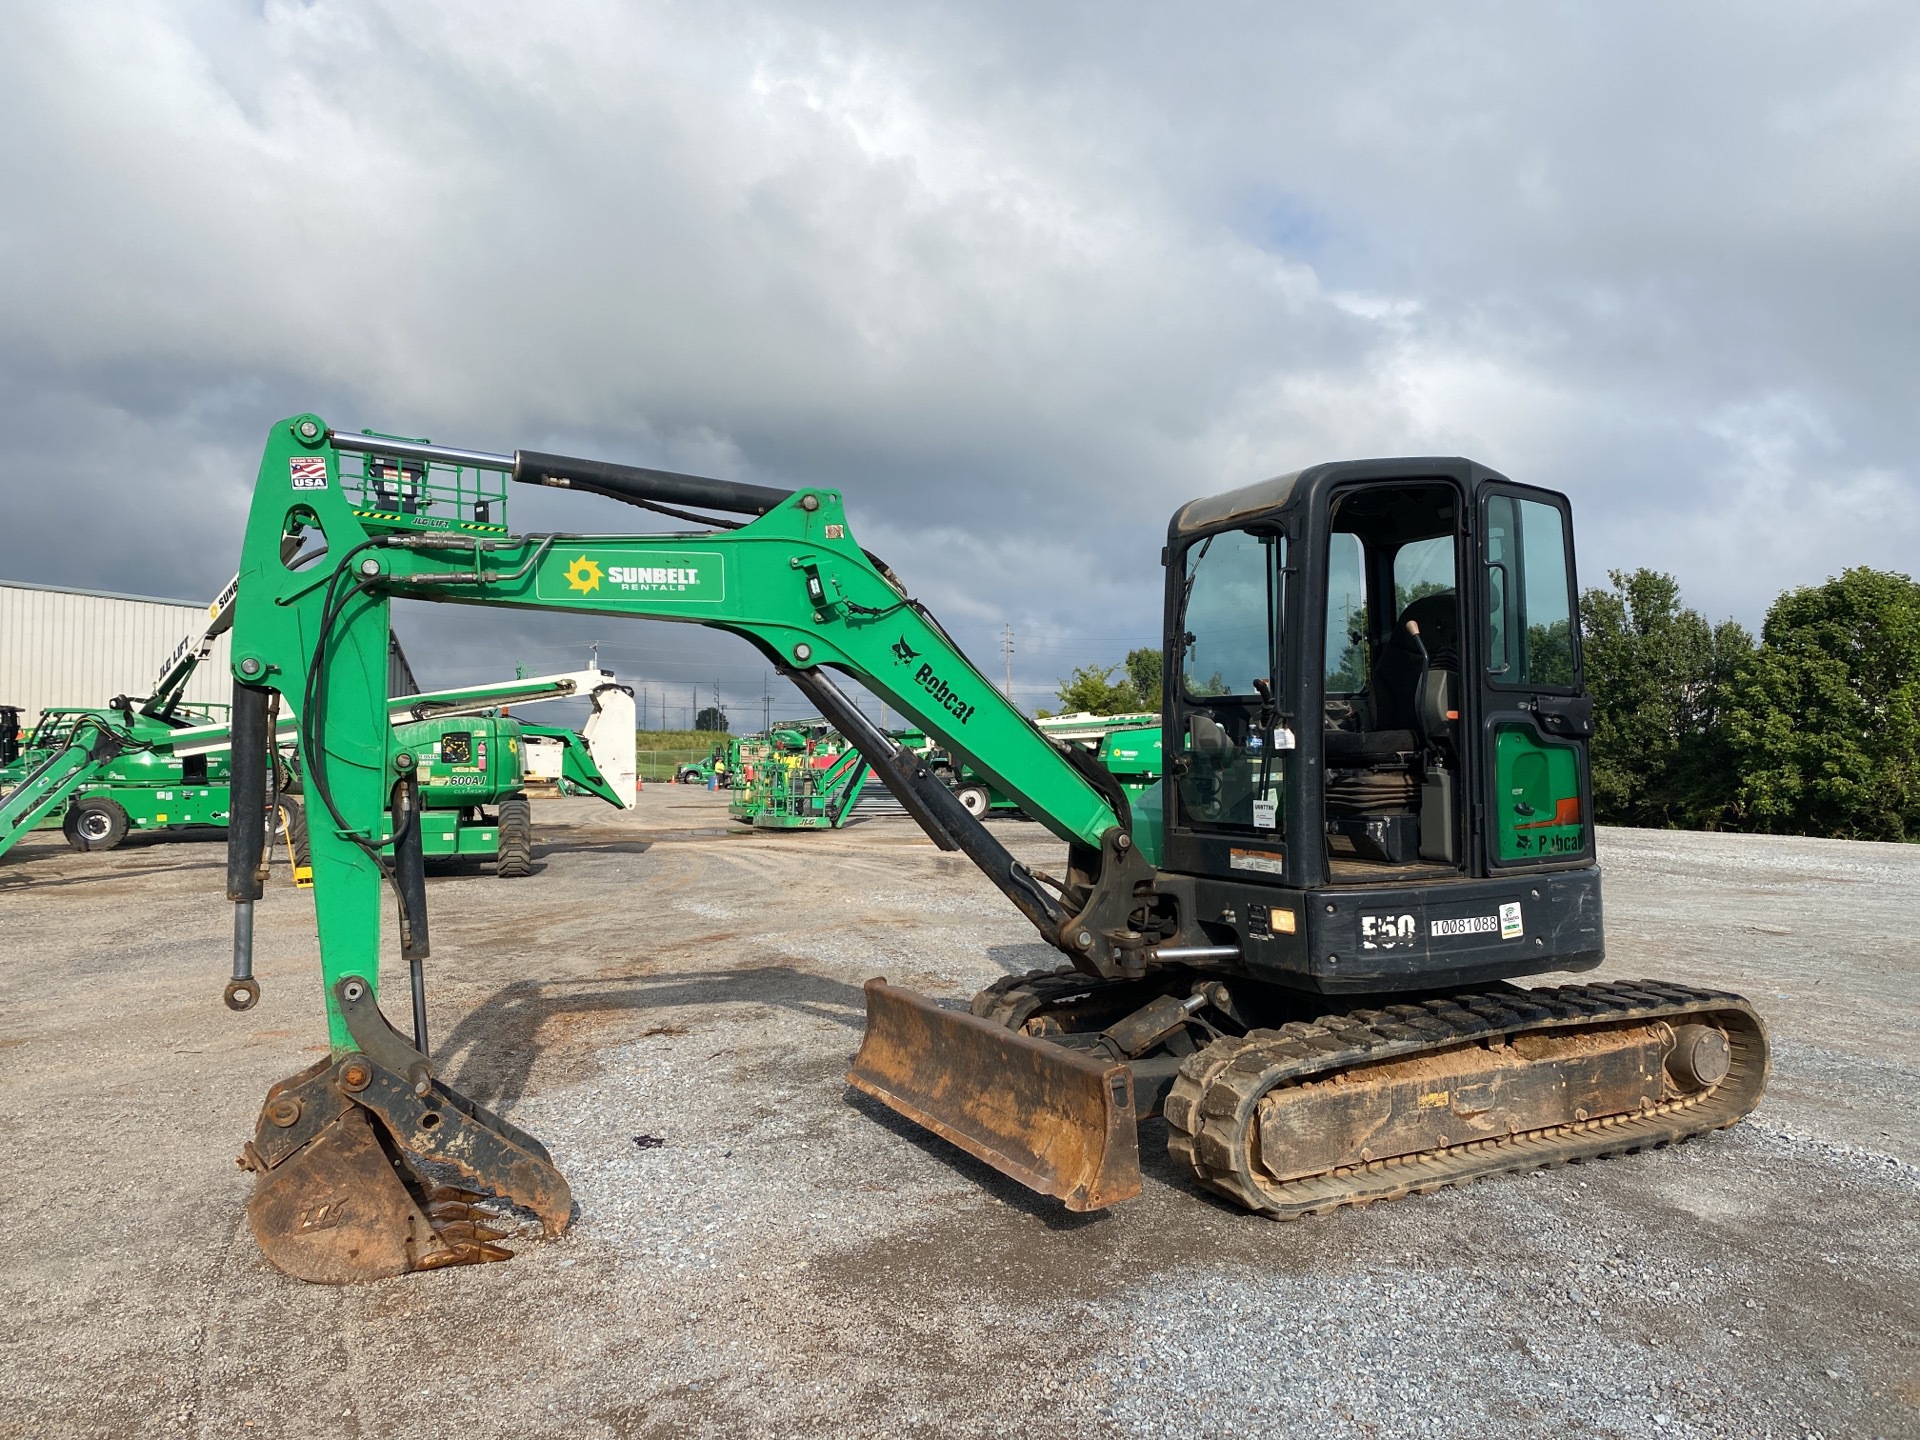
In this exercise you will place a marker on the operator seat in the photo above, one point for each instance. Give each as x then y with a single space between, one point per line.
1438 616
1408 695
1437 701
1375 776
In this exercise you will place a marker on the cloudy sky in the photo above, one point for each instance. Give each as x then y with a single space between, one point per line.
1018 278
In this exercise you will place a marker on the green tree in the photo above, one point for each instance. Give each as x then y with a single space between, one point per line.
1143 669
1091 688
1405 595
1550 653
1661 677
1825 719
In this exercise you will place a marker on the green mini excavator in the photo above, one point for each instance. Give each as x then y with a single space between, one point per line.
1299 947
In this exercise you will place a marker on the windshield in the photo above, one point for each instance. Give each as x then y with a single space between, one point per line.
1232 766
1231 615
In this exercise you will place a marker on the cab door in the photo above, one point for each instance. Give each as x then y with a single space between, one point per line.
1535 714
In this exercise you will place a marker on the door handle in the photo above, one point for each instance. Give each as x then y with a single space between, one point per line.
1568 716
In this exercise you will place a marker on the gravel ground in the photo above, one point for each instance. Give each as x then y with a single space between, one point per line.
794 1262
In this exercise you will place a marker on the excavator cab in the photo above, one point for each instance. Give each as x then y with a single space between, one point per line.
1374 690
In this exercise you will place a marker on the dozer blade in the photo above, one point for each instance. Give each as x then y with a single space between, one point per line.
350 1164
1059 1121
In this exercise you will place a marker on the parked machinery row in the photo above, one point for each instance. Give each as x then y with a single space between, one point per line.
162 765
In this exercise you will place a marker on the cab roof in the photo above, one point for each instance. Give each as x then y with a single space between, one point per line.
1301 487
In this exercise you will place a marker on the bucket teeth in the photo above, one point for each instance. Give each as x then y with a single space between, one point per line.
462 1249
462 1227
447 1201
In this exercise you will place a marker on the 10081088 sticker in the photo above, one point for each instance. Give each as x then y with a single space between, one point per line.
1465 925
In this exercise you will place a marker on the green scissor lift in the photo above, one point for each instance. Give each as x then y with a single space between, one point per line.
802 775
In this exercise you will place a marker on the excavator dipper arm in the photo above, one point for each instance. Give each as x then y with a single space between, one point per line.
407 519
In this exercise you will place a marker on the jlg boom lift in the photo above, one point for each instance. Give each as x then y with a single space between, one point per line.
1299 948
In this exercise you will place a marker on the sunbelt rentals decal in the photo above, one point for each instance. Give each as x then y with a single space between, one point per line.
613 572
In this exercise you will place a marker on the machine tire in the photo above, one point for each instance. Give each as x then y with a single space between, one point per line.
514 858
975 800
94 825
293 828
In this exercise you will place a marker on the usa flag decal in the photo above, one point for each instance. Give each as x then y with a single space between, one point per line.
309 472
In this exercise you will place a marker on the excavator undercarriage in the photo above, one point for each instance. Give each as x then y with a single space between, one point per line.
1303 1116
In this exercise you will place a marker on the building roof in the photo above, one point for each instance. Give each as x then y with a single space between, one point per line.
101 594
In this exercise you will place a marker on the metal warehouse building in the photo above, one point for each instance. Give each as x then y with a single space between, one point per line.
83 647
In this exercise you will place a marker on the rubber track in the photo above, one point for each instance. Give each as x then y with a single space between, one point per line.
1212 1107
1014 999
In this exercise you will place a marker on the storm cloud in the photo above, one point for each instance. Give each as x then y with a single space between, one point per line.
1018 279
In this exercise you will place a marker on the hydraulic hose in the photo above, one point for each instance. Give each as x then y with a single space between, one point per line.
637 484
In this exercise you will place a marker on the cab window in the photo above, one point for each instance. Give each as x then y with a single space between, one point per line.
1231 772
1347 652
1530 638
1230 620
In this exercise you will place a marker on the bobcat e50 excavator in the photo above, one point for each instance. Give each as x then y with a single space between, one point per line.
1298 948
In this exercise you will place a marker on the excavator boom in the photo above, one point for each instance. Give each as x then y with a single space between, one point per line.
406 519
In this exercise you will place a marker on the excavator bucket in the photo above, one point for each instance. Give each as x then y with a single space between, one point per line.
1060 1121
355 1170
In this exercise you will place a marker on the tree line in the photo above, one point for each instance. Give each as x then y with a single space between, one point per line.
1091 689
1810 728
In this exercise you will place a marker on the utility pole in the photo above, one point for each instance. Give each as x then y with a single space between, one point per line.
1006 650
594 663
766 703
